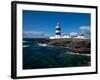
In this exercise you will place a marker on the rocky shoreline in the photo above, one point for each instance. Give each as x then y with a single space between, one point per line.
81 46
80 50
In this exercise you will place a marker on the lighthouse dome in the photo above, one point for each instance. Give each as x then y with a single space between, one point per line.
58 25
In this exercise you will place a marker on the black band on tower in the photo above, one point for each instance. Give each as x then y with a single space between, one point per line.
58 33
58 28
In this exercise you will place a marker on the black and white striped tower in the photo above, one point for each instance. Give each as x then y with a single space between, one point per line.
58 31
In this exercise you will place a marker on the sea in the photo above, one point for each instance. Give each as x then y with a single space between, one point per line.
37 55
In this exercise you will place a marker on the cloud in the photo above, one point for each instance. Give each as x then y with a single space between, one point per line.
86 30
33 34
73 34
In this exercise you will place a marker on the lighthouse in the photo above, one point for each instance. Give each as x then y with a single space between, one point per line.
60 36
58 31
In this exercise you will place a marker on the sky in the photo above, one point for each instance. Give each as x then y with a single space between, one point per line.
43 23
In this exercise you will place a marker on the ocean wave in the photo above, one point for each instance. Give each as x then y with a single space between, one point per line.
42 44
26 45
25 41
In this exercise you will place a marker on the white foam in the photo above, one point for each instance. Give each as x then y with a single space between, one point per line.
26 45
24 41
40 44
